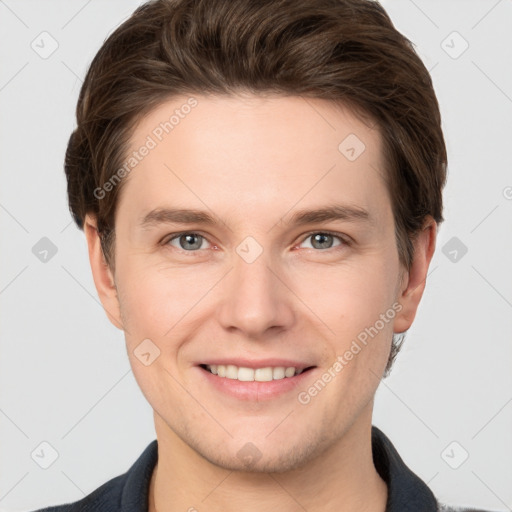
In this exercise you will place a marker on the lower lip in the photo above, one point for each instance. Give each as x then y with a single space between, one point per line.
255 390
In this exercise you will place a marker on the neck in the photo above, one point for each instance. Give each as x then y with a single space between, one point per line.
342 478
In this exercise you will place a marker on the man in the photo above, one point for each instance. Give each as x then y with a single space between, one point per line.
260 186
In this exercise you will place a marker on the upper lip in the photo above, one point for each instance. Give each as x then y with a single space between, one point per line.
259 363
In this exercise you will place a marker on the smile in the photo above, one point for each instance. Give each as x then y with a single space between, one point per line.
245 374
255 384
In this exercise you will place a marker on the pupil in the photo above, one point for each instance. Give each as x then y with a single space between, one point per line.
187 238
325 245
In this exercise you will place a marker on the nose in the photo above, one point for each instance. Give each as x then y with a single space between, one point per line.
256 299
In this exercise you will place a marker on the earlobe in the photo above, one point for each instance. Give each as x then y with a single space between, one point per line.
415 280
102 274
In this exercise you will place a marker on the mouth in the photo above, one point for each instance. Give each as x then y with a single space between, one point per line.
245 374
255 380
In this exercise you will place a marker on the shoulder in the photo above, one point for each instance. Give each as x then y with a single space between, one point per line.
406 491
127 492
106 498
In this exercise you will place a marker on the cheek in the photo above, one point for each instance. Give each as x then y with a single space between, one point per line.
349 297
154 310
153 300
355 303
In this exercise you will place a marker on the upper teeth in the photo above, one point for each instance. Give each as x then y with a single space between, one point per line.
250 374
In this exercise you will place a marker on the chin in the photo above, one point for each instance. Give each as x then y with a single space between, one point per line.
250 459
263 452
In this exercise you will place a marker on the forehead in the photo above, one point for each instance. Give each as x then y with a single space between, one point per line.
251 154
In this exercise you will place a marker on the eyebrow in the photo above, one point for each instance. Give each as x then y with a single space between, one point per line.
306 216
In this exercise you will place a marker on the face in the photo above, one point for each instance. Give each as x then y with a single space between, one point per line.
255 283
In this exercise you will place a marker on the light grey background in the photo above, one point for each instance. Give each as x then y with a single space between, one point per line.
64 373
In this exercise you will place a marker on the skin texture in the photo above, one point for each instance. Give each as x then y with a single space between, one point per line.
252 162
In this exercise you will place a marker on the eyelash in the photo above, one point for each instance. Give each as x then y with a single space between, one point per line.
342 238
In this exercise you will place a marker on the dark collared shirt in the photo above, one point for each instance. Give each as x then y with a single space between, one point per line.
129 492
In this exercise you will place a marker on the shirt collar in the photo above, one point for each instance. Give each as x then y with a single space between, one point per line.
406 491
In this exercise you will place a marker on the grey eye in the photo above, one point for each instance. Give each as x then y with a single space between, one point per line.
322 240
188 241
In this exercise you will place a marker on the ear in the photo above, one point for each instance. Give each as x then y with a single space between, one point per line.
102 275
415 280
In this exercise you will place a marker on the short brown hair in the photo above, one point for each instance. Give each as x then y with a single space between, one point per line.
347 51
